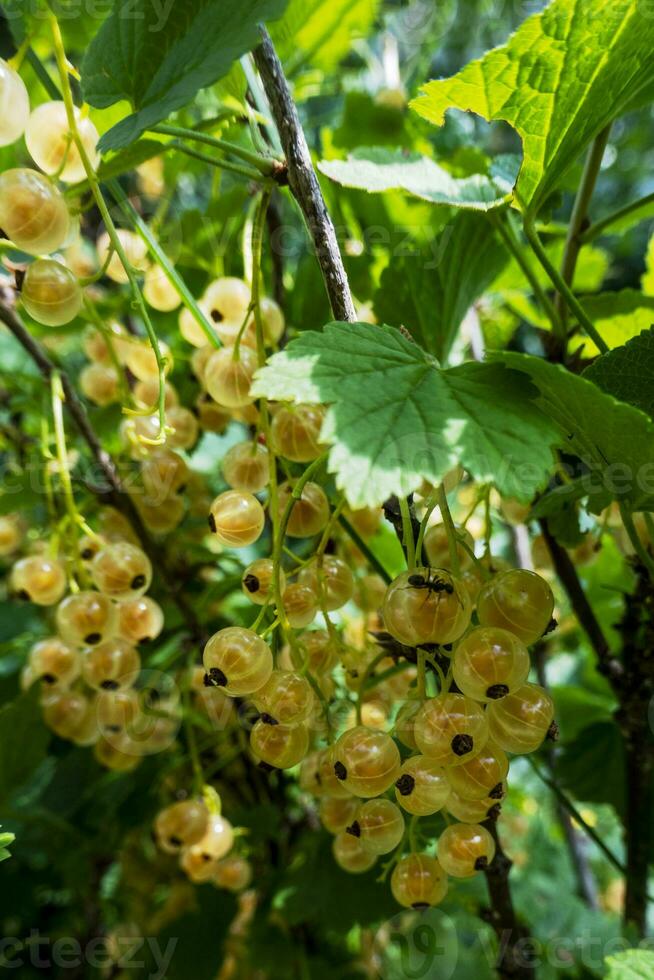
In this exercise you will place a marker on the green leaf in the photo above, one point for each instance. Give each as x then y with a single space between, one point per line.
430 293
627 372
377 169
576 708
591 766
617 317
396 417
6 840
23 741
321 32
559 80
158 61
614 439
632 964
647 278
591 268
129 158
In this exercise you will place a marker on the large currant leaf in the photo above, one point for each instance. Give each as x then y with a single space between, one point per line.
627 372
614 439
632 964
559 80
430 293
158 57
376 169
396 417
618 317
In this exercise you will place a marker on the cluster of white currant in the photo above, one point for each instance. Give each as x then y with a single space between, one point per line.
93 690
195 830
454 743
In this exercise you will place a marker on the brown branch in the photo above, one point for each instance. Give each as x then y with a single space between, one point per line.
513 959
637 629
117 493
302 179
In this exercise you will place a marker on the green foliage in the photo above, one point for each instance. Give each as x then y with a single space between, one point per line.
377 169
430 293
159 64
321 32
632 964
561 78
396 417
618 317
614 440
627 372
23 742
6 840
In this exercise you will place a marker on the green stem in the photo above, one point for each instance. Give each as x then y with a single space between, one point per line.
600 227
562 287
431 505
260 163
369 555
637 544
67 94
162 260
452 539
579 212
233 168
506 230
407 532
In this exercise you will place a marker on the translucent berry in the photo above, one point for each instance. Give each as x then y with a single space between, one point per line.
33 212
233 873
470 811
38 579
134 247
331 580
379 824
164 472
86 619
246 466
337 813
350 854
140 619
521 720
199 860
366 761
50 293
295 432
286 698
12 533
227 299
117 710
300 604
519 601
422 787
228 379
257 581
482 776
14 105
237 660
99 383
111 665
464 849
451 729
141 359
66 713
426 605
51 146
489 663
309 514
53 662
281 746
418 881
122 571
236 518
180 825
159 292
119 754
436 547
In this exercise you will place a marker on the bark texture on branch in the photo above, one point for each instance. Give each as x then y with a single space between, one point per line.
115 492
302 179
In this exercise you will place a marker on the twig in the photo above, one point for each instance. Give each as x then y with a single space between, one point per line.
578 218
513 955
121 500
302 179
